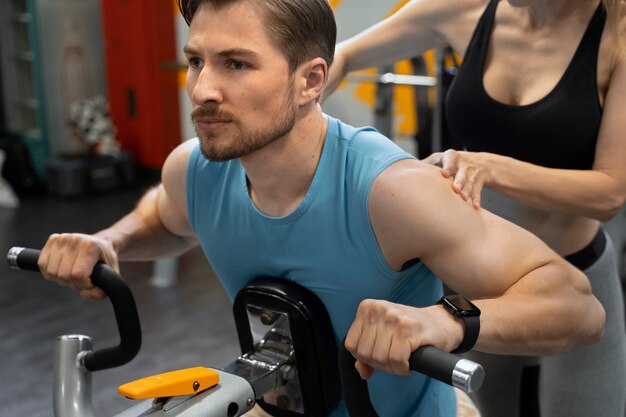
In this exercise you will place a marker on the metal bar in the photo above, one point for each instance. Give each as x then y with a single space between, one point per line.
396 79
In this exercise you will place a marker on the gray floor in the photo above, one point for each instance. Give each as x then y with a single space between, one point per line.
187 325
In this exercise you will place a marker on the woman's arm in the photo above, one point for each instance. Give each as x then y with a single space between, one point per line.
598 193
417 27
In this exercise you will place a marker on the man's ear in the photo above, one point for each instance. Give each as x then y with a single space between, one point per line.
312 77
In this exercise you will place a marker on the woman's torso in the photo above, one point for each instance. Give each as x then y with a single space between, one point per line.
522 67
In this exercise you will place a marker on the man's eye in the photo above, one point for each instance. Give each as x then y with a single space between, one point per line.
238 65
194 62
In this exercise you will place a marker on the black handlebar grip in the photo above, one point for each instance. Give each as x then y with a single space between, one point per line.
23 258
121 299
428 360
447 367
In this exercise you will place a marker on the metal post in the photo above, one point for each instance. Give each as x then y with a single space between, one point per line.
72 382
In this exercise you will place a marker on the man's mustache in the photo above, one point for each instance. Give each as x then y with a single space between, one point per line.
212 112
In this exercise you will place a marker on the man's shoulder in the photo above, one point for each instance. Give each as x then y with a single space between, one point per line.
411 173
411 185
407 205
175 165
182 152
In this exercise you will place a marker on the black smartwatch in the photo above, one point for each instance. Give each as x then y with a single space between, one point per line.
470 314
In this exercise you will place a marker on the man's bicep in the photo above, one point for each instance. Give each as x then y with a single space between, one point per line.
416 214
487 256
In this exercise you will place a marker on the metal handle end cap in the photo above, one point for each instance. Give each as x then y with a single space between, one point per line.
12 256
468 376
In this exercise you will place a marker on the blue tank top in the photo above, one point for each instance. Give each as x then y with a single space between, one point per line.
558 131
327 245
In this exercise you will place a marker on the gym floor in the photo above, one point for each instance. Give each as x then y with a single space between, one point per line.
185 325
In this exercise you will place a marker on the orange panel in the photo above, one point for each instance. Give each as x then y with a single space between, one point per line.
142 88
170 384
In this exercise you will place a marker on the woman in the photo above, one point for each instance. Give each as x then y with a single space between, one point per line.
540 106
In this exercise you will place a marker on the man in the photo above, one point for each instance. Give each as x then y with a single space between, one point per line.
276 187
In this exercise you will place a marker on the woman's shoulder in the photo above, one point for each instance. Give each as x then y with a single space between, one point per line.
458 20
449 10
612 54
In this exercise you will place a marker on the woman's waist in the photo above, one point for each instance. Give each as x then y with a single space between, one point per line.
566 234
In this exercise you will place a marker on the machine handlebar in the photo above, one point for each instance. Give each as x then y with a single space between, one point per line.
428 360
433 362
122 301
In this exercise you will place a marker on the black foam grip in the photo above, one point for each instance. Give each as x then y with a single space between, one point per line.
124 308
27 259
434 363
429 360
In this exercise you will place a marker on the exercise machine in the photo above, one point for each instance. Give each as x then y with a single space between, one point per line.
290 365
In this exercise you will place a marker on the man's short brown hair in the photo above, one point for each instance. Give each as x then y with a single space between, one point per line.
303 29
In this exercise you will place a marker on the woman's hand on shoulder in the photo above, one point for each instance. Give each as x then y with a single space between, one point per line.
468 169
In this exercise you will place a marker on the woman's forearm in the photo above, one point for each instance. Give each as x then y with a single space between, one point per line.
590 193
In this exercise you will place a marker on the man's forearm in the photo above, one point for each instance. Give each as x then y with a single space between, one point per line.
550 310
141 236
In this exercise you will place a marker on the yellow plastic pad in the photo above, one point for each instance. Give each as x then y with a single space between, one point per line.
170 384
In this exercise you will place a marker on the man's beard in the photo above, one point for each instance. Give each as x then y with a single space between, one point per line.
245 142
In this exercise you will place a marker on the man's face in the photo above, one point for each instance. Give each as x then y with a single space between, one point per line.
239 83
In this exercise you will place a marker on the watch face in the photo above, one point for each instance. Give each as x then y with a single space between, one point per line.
462 306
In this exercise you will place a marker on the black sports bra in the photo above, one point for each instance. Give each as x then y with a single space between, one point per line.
558 131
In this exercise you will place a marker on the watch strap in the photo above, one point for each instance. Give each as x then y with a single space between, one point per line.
470 315
472 329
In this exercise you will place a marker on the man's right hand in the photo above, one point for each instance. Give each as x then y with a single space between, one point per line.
69 259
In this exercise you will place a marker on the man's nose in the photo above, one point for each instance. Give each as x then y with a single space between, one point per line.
205 89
